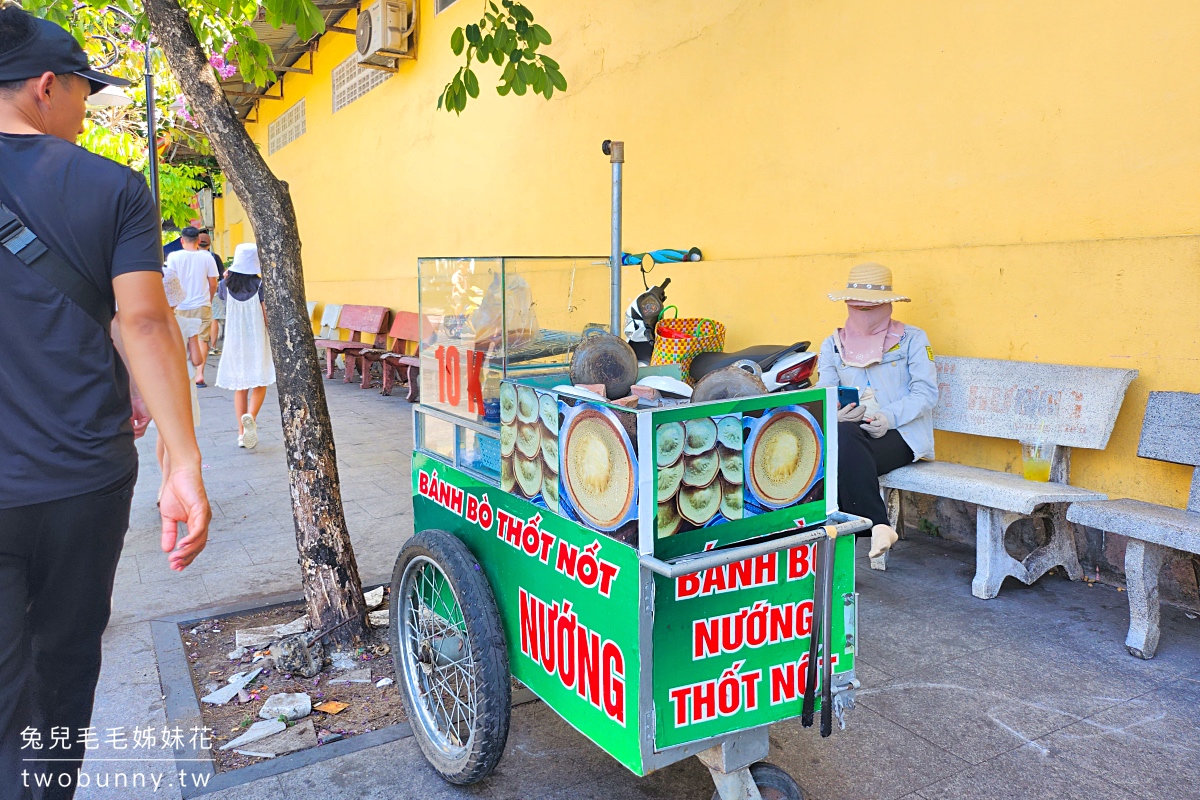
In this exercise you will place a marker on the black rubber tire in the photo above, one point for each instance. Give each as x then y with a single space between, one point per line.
773 783
485 635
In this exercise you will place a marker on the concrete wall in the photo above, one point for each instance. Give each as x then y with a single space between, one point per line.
1027 169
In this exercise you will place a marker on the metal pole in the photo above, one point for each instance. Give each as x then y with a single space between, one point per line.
151 129
616 153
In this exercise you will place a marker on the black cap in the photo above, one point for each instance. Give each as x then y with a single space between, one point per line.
51 49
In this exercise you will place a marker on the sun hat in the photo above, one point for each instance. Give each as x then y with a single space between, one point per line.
245 260
869 283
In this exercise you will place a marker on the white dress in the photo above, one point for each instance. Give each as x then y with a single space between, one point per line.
246 359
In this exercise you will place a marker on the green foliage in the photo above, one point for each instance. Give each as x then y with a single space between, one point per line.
223 26
507 36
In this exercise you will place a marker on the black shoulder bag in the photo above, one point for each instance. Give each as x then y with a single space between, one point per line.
22 243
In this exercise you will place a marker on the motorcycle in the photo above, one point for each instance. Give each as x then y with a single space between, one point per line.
781 369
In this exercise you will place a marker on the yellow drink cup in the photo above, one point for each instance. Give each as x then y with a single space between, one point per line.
1036 458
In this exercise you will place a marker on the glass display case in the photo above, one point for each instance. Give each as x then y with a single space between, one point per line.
485 319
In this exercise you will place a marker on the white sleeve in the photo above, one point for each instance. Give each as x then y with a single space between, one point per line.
827 361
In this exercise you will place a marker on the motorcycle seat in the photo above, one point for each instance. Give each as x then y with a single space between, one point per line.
765 355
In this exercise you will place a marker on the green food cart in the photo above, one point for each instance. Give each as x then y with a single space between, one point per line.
669 579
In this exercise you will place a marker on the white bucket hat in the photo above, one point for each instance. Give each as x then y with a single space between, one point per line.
245 260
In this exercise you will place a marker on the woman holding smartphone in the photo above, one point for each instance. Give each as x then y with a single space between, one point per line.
890 364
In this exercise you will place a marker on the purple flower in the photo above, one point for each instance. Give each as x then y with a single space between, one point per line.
125 29
137 46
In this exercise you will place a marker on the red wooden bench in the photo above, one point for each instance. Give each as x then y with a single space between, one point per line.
367 326
396 364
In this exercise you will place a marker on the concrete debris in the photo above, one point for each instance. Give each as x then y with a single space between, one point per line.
298 737
296 705
379 619
343 661
353 676
227 692
259 730
260 637
295 656
237 654
374 598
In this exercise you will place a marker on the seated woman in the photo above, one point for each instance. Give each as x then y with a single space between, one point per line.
891 365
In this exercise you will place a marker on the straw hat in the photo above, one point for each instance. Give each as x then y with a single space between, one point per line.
869 283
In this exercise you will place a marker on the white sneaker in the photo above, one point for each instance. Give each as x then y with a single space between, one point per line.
250 432
241 442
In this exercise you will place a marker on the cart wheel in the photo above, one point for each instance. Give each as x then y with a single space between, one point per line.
773 783
450 656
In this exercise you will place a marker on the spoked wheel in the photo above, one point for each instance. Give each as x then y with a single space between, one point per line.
773 783
451 661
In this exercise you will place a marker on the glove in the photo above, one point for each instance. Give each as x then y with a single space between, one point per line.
851 412
876 426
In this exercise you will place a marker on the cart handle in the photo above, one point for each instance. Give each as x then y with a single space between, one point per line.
843 523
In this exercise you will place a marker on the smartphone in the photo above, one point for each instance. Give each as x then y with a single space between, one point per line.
847 395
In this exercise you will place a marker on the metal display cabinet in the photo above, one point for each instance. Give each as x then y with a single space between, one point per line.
669 580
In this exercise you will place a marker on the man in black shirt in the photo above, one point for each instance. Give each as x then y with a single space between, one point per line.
67 422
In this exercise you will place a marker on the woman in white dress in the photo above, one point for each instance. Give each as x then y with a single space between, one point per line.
246 365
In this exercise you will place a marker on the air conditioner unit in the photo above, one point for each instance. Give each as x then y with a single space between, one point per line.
384 32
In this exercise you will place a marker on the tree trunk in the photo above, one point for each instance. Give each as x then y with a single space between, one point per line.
332 587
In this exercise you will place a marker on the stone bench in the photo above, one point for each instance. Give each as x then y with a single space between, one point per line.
1017 400
1170 432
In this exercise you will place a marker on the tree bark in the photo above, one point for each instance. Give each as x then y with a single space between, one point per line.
332 586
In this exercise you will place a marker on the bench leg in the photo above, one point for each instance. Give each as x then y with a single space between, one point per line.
364 366
992 562
348 372
329 358
1059 551
388 377
414 384
1143 562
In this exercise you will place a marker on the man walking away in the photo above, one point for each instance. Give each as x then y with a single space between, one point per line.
198 276
218 303
79 235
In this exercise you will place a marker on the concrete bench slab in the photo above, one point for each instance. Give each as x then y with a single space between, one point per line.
1067 406
1176 528
984 487
1170 432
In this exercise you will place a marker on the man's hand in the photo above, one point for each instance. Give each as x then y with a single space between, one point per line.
875 426
141 416
184 500
851 412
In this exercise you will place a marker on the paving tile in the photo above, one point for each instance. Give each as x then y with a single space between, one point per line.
955 711
1026 773
1149 746
873 759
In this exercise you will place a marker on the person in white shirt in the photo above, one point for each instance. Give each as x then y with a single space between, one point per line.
197 274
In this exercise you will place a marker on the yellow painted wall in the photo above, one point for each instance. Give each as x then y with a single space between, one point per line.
1027 169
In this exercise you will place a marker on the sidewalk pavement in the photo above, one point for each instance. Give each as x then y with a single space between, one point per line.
1030 695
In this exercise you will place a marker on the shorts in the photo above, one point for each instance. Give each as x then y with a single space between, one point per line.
204 314
218 308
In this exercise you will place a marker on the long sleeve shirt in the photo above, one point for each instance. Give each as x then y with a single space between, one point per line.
905 384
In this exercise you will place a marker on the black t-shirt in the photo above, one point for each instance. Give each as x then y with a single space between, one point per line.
64 393
220 265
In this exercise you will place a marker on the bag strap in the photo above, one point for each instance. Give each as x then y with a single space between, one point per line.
17 239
